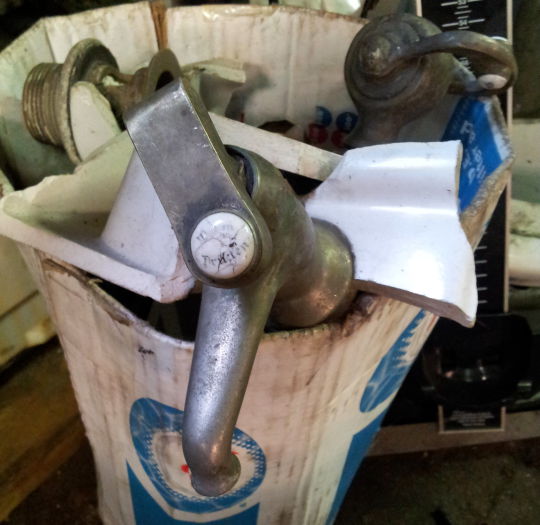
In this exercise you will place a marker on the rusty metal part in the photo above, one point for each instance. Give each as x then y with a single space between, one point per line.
132 89
399 67
46 92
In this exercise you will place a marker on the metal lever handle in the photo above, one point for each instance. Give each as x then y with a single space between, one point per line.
399 67
230 327
200 186
492 59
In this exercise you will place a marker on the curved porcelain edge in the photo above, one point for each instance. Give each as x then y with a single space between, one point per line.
397 205
164 289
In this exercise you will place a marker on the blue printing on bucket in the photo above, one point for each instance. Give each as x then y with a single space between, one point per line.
148 512
384 382
148 417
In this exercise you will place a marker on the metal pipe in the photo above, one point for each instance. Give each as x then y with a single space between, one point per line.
231 324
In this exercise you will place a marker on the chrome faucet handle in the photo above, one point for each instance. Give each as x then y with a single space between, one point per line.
223 238
399 67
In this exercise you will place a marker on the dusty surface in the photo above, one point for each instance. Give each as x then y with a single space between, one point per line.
68 497
490 485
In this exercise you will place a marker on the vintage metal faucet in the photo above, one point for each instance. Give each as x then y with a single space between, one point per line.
399 67
244 234
260 252
189 208
47 89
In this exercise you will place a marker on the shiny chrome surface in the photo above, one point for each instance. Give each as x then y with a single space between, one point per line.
302 276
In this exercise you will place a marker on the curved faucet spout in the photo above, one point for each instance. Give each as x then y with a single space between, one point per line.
230 327
310 271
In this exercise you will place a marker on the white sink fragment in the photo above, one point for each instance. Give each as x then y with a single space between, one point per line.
92 121
397 205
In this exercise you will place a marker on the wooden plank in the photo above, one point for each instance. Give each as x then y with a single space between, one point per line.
425 436
40 424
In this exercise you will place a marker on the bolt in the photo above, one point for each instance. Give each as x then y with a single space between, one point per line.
375 55
46 92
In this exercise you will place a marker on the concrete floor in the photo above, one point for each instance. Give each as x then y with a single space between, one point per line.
484 485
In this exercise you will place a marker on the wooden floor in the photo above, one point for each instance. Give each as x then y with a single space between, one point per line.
39 422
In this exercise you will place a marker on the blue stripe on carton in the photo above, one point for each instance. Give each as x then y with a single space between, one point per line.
471 125
384 382
391 370
146 418
357 450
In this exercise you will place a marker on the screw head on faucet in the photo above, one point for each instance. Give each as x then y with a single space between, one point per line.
375 55
223 245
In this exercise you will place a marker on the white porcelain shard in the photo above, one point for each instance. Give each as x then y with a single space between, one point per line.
216 80
103 222
397 206
92 120
108 220
395 203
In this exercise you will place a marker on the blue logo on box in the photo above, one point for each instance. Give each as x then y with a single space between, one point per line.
148 512
157 427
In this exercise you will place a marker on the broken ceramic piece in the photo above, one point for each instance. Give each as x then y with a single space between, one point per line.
395 203
397 206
